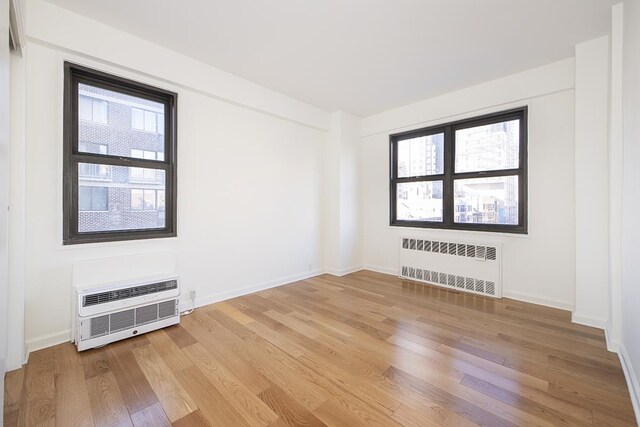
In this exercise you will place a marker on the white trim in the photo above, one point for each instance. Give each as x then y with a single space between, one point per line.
612 344
588 321
16 28
344 271
534 299
632 379
223 296
383 270
49 340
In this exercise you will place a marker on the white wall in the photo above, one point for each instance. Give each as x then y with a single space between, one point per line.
539 267
630 291
592 189
249 173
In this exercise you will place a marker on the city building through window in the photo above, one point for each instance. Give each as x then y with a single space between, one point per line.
468 175
120 183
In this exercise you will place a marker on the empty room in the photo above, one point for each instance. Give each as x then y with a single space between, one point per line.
319 213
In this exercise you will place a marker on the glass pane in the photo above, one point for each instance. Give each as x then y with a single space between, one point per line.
486 200
89 147
150 121
160 200
92 198
161 123
120 203
149 199
112 119
85 109
421 156
489 147
137 199
419 201
94 172
137 119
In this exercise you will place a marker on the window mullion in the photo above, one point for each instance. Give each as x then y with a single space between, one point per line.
447 185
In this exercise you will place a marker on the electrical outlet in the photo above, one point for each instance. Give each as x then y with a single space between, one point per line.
310 267
192 294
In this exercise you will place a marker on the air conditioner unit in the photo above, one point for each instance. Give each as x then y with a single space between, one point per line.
109 313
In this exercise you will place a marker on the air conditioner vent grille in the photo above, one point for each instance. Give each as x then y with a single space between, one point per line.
122 320
99 326
131 318
134 291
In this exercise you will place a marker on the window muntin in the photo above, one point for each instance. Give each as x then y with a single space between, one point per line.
481 184
119 157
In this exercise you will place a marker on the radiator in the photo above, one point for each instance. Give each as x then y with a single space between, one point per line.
466 266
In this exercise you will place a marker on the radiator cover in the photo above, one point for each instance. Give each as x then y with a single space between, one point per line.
467 266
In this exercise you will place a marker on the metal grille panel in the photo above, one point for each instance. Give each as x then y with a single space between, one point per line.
122 320
146 314
167 309
99 326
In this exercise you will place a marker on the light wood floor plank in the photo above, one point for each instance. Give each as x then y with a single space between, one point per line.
107 406
174 398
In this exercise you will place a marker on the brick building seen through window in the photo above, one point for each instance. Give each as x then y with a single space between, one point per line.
115 197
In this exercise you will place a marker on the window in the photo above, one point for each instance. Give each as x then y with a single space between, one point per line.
105 167
92 109
148 121
467 175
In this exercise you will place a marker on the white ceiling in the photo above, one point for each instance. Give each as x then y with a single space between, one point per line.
361 56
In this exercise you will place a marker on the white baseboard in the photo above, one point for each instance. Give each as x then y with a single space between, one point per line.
222 296
632 379
534 299
344 271
588 321
45 341
384 270
612 344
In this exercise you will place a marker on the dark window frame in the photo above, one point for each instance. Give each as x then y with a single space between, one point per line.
75 74
450 175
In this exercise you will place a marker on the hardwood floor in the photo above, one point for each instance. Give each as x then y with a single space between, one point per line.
363 349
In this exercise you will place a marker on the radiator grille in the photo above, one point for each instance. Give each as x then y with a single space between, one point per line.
134 291
453 281
450 248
